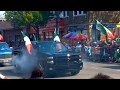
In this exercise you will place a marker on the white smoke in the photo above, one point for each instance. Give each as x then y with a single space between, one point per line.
24 63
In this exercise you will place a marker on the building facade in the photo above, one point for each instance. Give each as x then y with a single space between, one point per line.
107 18
69 21
10 33
75 21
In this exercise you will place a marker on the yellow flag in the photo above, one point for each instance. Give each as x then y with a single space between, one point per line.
118 25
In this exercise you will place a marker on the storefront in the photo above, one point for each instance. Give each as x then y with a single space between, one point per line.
79 29
113 29
31 32
47 31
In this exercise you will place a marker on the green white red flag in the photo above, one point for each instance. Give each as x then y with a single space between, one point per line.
105 33
27 43
55 36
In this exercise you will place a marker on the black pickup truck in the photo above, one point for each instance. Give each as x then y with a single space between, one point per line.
54 58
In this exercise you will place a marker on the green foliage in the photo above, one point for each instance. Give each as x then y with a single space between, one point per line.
27 18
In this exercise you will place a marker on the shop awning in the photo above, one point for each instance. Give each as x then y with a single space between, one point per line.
106 25
110 25
50 26
81 27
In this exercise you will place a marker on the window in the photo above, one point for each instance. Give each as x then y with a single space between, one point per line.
51 47
84 12
78 13
17 37
75 13
64 14
11 38
4 46
53 12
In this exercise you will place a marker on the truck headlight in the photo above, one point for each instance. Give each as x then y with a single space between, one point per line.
80 58
68 55
49 58
50 62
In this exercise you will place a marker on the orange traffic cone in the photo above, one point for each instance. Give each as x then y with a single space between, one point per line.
3 77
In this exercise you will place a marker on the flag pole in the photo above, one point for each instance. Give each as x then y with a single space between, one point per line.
95 34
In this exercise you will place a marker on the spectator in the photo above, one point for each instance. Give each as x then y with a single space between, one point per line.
101 76
88 50
102 47
11 44
37 74
78 46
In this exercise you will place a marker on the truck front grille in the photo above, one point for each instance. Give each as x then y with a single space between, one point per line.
3 56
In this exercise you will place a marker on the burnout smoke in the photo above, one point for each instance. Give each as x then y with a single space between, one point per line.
24 63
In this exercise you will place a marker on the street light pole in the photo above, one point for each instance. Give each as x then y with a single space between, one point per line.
57 23
56 17
88 26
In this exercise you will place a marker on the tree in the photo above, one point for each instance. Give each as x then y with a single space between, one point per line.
105 16
34 19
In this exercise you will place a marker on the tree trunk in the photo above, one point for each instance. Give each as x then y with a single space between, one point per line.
88 26
37 30
28 30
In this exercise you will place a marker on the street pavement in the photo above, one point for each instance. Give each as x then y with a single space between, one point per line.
89 70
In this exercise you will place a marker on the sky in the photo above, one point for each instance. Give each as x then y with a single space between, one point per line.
1 14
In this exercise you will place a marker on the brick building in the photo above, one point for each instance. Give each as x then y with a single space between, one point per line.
10 33
75 21
108 18
68 21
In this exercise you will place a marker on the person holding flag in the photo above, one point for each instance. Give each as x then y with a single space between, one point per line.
105 33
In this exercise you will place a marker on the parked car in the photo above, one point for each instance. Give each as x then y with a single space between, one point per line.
5 54
54 58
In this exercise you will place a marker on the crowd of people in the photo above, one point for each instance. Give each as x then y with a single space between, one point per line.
100 51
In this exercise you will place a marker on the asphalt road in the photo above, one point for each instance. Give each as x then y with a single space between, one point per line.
89 70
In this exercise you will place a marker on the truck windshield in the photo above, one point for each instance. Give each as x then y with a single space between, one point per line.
52 47
4 46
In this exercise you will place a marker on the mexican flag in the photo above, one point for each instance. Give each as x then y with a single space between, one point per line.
55 36
105 33
27 43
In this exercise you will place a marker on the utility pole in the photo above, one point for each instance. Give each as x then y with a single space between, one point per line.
88 26
57 22
56 17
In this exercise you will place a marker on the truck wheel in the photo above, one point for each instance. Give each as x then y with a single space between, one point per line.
1 65
75 72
